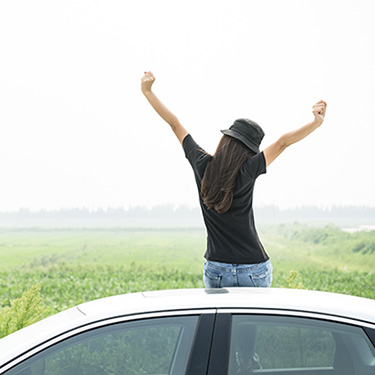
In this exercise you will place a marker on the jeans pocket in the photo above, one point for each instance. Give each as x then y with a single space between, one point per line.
211 277
262 275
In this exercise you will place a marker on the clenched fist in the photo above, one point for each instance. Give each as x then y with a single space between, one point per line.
319 111
146 82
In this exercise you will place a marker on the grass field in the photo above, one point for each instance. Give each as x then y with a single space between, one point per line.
73 266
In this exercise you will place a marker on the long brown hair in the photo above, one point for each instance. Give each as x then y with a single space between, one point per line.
219 178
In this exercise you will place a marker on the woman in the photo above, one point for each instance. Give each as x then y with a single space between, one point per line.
235 256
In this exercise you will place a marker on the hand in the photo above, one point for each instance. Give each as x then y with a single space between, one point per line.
319 111
146 82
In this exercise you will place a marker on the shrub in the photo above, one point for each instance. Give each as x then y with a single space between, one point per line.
293 280
22 311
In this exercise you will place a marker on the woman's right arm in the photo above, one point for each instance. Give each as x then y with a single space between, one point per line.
273 151
147 81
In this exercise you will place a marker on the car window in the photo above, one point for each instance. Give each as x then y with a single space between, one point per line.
150 346
292 345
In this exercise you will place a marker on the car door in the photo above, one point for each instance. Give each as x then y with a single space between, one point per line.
280 342
173 344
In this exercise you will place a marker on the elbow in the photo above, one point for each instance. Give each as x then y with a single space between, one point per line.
282 143
174 123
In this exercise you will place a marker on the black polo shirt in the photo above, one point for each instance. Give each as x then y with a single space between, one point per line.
231 237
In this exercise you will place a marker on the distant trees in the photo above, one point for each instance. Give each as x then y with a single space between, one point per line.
330 235
169 215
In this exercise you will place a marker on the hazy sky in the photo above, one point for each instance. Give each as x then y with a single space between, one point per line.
77 132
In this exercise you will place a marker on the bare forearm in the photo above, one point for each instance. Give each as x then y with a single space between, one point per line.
147 82
161 109
274 150
298 134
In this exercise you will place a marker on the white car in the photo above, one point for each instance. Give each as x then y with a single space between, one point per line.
201 331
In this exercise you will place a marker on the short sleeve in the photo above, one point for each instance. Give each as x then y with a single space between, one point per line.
193 152
196 155
254 166
189 145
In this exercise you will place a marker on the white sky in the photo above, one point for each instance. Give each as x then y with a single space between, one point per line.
77 132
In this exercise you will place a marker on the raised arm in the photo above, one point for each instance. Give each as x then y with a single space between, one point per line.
273 151
147 81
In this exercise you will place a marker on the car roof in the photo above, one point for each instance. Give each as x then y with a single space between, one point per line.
289 300
242 298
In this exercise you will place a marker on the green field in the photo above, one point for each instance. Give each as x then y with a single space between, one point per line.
76 265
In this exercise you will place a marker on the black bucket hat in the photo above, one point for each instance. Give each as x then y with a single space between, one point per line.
248 132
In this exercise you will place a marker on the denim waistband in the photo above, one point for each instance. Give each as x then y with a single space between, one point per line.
239 266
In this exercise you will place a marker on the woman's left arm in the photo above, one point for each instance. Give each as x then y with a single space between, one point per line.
147 81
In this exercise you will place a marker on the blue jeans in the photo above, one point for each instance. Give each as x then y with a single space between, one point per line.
226 275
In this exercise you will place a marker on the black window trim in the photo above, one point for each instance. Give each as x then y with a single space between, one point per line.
219 358
370 332
298 313
202 345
